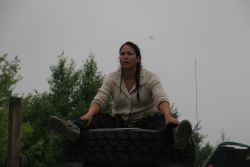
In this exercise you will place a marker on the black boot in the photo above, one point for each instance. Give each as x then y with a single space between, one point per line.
182 134
65 127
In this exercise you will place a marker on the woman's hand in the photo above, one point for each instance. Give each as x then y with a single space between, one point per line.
87 117
93 109
171 120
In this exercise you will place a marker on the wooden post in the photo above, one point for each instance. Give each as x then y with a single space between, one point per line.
13 152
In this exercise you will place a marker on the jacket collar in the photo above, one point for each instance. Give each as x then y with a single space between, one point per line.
118 78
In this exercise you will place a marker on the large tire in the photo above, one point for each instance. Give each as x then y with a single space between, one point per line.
126 146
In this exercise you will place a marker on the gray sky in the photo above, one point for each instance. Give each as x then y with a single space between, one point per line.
170 33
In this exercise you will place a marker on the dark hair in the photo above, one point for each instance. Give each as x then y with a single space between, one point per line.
138 66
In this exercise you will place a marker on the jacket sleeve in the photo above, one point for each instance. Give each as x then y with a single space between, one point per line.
158 93
103 94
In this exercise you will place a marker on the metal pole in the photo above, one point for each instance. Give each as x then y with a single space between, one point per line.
196 96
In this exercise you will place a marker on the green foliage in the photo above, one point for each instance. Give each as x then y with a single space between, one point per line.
4 134
36 138
67 98
203 150
63 84
8 78
73 90
90 80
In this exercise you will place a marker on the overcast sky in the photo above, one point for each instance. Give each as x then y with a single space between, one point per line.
171 35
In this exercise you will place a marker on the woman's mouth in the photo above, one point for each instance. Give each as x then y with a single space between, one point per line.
125 62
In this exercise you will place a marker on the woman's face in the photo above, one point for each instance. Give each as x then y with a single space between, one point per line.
128 58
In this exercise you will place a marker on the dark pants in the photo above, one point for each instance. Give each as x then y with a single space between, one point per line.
105 120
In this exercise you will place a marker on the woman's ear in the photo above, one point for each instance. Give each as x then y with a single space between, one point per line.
138 59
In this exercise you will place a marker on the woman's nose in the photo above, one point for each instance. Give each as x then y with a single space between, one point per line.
126 55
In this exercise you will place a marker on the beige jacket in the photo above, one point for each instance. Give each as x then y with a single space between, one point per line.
125 104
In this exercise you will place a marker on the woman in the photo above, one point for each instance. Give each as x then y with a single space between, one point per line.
138 100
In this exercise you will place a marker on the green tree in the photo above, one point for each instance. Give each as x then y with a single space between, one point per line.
68 87
202 150
90 80
37 141
63 84
73 89
9 76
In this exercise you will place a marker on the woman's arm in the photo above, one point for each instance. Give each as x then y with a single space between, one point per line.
99 101
165 109
161 99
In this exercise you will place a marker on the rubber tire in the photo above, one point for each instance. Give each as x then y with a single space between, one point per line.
127 147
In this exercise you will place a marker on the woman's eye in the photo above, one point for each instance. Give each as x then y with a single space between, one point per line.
127 53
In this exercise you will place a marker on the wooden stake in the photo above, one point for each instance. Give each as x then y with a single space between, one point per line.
13 152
